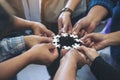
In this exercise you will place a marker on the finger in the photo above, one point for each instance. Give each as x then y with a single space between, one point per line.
85 49
45 40
37 32
87 36
77 28
55 53
91 28
92 45
50 46
88 42
63 52
65 28
49 33
59 24
70 29
81 33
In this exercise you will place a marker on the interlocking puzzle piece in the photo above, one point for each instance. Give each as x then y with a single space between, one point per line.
64 34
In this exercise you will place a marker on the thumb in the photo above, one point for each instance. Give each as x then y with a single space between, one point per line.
45 40
51 46
53 50
85 49
87 36
49 33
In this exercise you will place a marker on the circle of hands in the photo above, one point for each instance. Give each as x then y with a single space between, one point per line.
48 52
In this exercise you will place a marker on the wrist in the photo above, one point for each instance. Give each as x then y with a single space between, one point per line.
27 57
93 19
111 39
67 11
69 60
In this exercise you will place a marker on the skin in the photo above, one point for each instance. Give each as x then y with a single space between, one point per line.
38 28
32 40
75 59
69 64
88 23
64 21
100 41
40 54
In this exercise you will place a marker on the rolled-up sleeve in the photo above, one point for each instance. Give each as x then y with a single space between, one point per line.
108 4
10 47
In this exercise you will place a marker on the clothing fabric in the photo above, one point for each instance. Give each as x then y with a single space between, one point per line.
25 9
113 6
10 47
103 70
51 9
32 9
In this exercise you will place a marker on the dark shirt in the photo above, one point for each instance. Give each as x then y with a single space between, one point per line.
104 71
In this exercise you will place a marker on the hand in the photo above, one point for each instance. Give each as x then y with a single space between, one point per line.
43 53
40 29
84 25
97 41
64 23
32 40
89 52
76 57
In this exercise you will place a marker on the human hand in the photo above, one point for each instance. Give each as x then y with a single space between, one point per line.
32 40
76 57
43 53
91 53
96 40
84 25
64 23
40 29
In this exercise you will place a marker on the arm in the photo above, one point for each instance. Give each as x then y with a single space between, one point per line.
64 20
69 65
99 66
10 47
38 28
12 66
101 69
98 10
100 41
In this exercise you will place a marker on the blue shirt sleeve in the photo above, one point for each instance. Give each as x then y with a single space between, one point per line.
10 47
108 4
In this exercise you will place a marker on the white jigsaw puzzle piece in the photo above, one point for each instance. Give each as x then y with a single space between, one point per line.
64 34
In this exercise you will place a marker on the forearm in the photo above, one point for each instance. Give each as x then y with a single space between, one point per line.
20 23
11 67
72 4
99 66
10 47
113 38
97 13
66 71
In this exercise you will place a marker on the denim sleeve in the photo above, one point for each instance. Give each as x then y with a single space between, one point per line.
10 47
108 4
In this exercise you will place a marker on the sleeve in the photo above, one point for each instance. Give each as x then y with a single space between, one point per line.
108 4
10 47
104 71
